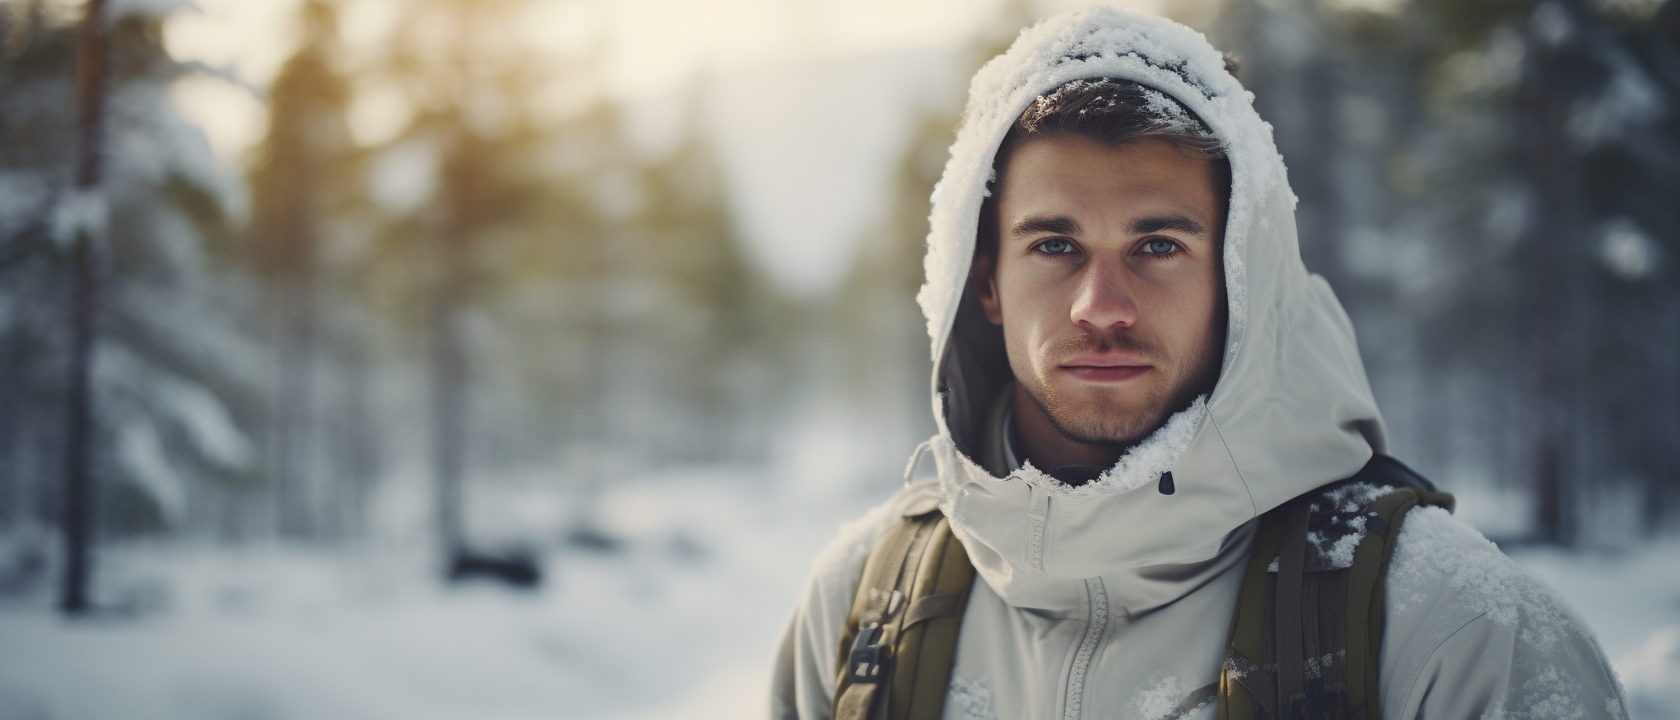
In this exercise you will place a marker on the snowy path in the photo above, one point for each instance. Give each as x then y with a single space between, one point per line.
659 630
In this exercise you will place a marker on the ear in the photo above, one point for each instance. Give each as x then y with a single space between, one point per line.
984 276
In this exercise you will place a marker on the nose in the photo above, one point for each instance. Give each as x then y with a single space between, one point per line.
1102 300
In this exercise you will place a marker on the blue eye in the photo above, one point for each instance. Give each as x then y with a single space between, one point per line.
1056 246
1160 246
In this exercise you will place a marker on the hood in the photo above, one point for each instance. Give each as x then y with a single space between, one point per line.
1292 409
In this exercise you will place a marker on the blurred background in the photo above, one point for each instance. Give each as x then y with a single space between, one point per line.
514 358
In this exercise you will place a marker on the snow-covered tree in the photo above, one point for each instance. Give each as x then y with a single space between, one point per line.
173 376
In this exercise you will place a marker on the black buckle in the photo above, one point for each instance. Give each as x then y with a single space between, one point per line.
868 658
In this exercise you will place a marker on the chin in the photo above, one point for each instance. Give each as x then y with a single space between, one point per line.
1109 429
1108 418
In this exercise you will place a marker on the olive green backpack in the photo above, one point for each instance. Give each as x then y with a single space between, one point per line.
901 635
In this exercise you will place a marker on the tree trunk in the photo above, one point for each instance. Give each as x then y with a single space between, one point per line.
88 212
1553 287
293 460
461 183
449 371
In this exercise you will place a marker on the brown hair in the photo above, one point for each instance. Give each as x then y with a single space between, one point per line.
1110 111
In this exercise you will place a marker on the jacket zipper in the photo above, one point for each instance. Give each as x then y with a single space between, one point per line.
1097 595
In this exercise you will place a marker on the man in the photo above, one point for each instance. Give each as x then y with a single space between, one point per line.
1132 369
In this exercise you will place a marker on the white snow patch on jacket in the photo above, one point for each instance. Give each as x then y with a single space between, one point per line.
1142 464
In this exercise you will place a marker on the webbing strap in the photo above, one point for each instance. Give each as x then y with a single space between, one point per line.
934 606
1308 607
866 647
887 580
1291 659
927 647
903 626
856 701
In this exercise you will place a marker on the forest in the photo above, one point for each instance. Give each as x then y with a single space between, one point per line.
451 336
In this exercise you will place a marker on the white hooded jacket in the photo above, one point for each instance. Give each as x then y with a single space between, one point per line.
1112 600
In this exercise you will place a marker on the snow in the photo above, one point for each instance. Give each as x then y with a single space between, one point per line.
208 423
1652 672
1631 600
1160 699
1551 695
1433 542
1340 552
22 194
1336 542
142 454
970 699
1142 464
646 633
1628 598
1172 114
680 624
79 213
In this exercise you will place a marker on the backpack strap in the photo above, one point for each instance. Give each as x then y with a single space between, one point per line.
901 635
1307 632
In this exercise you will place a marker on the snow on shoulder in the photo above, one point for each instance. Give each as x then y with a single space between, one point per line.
1460 597
1436 548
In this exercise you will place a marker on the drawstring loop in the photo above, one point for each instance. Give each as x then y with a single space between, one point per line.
916 458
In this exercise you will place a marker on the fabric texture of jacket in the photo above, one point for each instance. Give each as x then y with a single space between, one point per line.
1112 600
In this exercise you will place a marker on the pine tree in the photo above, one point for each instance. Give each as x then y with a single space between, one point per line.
164 366
297 185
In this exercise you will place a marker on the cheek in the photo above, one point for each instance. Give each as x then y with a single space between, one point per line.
1032 303
1035 313
1188 309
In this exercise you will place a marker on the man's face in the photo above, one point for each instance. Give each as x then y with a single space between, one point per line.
1108 282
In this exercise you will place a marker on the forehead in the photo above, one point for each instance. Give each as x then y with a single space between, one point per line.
1071 173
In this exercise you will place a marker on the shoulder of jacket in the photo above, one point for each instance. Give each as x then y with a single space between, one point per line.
1488 626
1447 582
836 571
1443 563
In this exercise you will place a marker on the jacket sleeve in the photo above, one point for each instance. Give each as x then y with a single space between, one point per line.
1488 670
1470 634
802 680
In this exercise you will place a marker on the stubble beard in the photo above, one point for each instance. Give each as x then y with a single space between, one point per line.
1105 422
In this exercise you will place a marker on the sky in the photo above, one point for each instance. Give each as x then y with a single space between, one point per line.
809 101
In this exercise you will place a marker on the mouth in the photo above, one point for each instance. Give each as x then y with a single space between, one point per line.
1106 367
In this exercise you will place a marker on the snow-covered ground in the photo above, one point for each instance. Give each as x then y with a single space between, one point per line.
679 622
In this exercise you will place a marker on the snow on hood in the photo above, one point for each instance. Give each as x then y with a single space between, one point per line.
1292 409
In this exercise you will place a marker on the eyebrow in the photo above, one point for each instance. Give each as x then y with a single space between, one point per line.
1055 225
1062 225
1144 226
